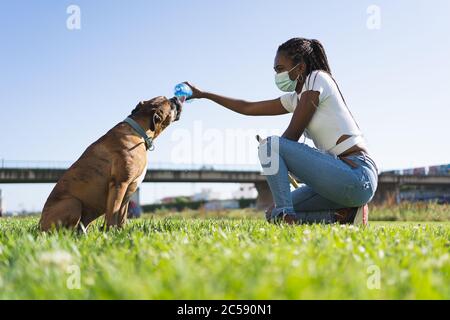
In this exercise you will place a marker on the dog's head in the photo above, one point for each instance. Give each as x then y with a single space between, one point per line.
159 111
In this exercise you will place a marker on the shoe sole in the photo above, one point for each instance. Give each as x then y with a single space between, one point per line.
362 216
288 219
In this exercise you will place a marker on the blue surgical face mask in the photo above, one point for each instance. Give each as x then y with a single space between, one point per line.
284 83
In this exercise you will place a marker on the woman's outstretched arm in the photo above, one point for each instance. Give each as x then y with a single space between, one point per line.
259 108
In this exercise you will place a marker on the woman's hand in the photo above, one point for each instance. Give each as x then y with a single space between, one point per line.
196 92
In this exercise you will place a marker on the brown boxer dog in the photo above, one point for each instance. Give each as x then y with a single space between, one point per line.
103 179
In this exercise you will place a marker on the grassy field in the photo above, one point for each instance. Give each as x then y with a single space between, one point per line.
231 257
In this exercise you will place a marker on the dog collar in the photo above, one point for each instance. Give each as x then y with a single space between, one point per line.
148 140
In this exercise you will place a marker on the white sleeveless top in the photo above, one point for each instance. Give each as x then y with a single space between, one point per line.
332 118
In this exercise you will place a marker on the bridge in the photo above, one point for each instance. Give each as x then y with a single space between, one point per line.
389 183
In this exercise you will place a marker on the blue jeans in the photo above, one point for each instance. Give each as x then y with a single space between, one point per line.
330 183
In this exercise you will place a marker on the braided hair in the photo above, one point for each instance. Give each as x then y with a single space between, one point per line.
311 52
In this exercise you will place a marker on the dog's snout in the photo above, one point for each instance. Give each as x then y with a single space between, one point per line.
176 105
174 102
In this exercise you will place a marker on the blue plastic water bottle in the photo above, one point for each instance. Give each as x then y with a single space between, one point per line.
182 91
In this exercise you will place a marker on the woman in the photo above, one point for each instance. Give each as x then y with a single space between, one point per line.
340 178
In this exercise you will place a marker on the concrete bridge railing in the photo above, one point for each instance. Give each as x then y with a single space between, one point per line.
388 185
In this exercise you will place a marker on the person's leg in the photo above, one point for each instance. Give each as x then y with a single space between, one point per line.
328 175
276 172
337 184
304 198
311 207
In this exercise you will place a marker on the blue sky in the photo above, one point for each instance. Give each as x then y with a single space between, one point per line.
61 89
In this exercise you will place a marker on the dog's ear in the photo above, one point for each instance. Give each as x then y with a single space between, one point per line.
137 108
156 119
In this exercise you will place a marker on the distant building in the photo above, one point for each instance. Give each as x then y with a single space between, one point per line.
221 205
167 200
205 194
174 199
245 191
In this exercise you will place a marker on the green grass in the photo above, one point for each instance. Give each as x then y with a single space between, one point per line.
226 258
